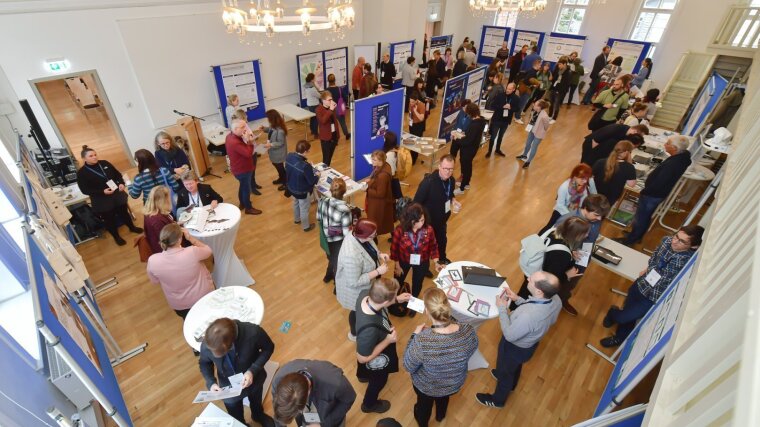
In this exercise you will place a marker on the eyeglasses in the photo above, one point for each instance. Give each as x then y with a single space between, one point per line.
682 241
448 169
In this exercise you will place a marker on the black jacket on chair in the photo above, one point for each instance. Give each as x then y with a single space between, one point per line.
205 192
253 348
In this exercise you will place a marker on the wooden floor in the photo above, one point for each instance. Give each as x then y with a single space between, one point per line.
560 386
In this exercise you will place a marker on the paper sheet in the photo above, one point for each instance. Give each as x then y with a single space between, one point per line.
212 422
585 254
209 396
416 304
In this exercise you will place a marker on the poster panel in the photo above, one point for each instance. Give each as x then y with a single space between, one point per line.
559 46
335 63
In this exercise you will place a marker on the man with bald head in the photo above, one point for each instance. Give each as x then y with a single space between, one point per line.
521 329
239 145
356 76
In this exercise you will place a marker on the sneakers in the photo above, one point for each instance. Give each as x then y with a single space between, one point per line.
309 228
609 342
607 322
380 407
552 121
526 165
119 240
351 337
485 399
458 192
519 120
521 157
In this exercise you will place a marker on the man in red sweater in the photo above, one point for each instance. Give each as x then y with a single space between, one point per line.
356 76
239 145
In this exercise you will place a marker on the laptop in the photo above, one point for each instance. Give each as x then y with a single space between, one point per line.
641 160
481 277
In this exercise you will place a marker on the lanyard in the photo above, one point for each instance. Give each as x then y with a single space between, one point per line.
546 301
102 175
195 201
230 357
446 189
663 262
416 244
380 312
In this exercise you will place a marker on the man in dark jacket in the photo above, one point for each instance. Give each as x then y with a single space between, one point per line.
311 392
505 105
515 63
387 72
600 143
561 77
232 347
599 63
196 194
658 186
301 181
436 195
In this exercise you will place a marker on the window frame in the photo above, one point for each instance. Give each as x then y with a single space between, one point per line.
511 19
656 11
573 5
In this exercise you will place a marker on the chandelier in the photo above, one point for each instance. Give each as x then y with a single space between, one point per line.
263 17
507 5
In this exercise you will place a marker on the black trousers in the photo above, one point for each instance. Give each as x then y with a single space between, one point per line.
253 174
418 275
416 129
396 189
328 148
376 383
456 146
355 92
352 322
497 131
537 94
468 154
424 407
253 392
556 98
408 93
440 237
509 361
110 219
570 94
182 313
334 248
280 172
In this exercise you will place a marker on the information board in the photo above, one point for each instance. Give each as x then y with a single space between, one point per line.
322 64
491 38
522 38
244 80
632 51
559 45
456 91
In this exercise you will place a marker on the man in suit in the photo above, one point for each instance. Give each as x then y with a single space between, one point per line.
599 63
195 194
311 392
233 347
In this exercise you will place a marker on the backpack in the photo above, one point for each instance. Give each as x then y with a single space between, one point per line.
401 204
532 251
403 163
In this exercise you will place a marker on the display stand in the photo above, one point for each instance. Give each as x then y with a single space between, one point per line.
189 128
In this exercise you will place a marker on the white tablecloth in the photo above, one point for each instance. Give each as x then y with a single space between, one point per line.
460 312
229 270
236 303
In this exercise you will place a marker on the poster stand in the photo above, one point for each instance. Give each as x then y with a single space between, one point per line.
491 38
399 52
244 77
317 63
375 115
525 37
632 51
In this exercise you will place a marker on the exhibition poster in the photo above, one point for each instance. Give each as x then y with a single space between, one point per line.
629 51
525 38
379 120
557 47
401 52
493 37
451 105
311 63
335 63
239 79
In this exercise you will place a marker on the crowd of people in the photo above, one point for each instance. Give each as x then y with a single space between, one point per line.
315 392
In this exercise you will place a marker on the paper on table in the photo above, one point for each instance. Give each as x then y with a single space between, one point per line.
585 254
209 396
416 304
212 422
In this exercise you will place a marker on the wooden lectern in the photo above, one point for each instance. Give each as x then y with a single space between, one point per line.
190 130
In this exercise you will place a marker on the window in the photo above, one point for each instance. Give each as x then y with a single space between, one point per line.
506 19
653 18
570 16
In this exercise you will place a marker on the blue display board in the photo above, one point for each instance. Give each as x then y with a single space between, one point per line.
61 314
243 79
632 51
399 52
525 37
491 38
705 103
373 116
646 345
322 64
457 90
441 43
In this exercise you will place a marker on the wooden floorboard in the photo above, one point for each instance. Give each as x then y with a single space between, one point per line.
559 386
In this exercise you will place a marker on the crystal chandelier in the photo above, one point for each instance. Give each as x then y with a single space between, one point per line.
263 17
507 5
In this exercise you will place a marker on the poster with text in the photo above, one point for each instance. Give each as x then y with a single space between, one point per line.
492 40
335 63
380 120
401 52
630 53
523 38
557 47
240 79
311 63
475 85
440 43
452 104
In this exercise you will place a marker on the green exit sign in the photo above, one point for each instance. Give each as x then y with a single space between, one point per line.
57 65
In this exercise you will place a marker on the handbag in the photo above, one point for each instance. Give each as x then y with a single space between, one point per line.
340 109
400 309
143 247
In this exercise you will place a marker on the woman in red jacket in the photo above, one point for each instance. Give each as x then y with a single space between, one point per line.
327 121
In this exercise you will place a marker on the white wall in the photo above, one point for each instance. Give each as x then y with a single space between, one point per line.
459 21
391 21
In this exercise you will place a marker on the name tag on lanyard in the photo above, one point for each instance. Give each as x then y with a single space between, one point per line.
652 277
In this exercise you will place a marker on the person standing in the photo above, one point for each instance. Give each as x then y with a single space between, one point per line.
530 59
335 216
449 59
232 347
233 103
469 144
560 85
183 276
440 67
658 185
239 145
409 73
168 155
356 76
503 53
376 355
341 99
526 86
413 247
538 126
369 83
460 67
301 182
100 180
577 71
391 150
612 174
644 72
522 330
470 55
150 175
328 126
312 94
599 63
612 100
600 143
436 357
515 63
379 194
195 195
314 390
436 195
387 72
277 145
664 265
608 75
505 106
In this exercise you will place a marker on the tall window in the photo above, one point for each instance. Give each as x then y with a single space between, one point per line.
653 18
570 16
506 19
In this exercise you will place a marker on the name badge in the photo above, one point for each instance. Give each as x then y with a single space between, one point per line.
382 74
311 418
447 206
112 185
411 122
505 113
332 127
415 259
652 277
528 128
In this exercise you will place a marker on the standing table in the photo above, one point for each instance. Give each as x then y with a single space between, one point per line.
229 270
695 173
428 147
632 261
237 303
462 315
298 114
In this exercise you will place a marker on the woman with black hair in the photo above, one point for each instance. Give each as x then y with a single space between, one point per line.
150 175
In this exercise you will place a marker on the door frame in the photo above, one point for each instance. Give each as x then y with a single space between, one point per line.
101 94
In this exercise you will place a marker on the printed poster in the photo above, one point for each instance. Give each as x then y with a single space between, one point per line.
335 63
240 79
400 53
474 86
452 104
440 43
630 53
380 120
523 38
557 47
492 40
312 63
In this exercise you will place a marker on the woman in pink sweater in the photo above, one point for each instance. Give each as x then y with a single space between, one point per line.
537 128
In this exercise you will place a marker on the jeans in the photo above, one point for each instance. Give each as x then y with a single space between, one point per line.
301 211
509 361
418 275
531 145
234 405
635 307
556 99
328 148
642 218
497 130
468 154
524 99
590 92
424 407
253 172
244 190
343 127
313 122
570 94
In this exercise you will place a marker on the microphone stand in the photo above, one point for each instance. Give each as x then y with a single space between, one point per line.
201 139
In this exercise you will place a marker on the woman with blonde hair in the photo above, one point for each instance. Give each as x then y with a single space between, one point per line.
158 213
612 174
436 357
379 194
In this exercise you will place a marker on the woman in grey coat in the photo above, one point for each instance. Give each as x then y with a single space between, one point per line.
359 262
277 144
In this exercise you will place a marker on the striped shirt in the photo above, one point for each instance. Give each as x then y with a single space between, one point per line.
144 182
438 362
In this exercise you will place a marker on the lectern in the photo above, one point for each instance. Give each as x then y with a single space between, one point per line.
189 129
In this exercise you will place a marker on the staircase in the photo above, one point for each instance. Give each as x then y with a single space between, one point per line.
688 79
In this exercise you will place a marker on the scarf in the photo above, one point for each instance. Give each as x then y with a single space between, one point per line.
576 194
